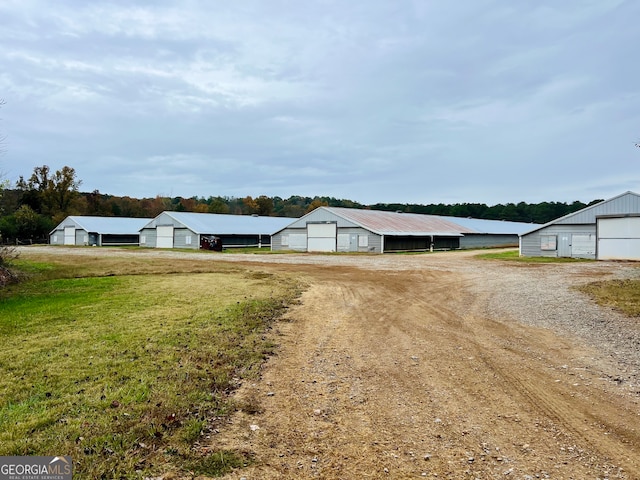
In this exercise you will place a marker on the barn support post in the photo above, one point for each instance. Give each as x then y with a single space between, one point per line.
431 245
259 240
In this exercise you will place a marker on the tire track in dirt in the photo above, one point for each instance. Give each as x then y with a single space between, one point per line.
399 369
572 399
382 376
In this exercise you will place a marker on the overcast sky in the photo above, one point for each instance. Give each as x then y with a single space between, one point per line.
489 101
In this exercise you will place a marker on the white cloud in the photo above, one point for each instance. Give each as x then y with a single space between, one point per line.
384 101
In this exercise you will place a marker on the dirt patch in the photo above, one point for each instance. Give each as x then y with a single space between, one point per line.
408 374
442 366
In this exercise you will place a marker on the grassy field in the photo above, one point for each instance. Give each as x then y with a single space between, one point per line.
127 365
514 255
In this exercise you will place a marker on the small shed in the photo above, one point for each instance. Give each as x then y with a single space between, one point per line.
187 230
97 231
337 229
609 230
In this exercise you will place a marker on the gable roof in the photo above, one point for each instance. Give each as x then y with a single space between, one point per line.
623 204
415 224
104 225
395 223
223 224
491 227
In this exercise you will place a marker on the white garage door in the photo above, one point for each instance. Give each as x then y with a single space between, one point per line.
69 235
321 237
619 238
165 237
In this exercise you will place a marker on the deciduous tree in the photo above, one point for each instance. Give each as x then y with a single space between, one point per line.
50 194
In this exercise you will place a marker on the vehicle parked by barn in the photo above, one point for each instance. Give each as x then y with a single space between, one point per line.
187 230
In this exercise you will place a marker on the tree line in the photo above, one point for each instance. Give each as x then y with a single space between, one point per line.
32 207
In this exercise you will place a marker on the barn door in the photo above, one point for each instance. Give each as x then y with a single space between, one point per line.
321 237
619 238
564 245
583 245
164 237
69 235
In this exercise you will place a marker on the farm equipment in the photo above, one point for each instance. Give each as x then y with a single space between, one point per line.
211 242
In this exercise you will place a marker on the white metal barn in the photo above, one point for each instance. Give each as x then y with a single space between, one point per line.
337 229
188 229
609 230
97 231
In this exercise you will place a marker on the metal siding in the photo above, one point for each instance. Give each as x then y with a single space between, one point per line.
82 237
297 233
276 242
488 241
298 241
56 237
375 243
373 240
530 243
179 239
626 203
79 237
321 215
150 236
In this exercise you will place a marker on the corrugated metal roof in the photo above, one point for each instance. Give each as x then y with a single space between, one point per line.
105 225
223 224
415 224
495 227
398 224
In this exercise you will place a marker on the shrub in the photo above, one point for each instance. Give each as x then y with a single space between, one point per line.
7 275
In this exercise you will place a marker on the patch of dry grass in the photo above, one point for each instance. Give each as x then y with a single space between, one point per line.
621 295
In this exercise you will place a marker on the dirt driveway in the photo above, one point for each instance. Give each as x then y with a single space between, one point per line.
416 371
443 366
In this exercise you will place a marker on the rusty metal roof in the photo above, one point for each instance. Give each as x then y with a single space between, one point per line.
398 224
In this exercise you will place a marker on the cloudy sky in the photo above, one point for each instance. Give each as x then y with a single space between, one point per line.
422 101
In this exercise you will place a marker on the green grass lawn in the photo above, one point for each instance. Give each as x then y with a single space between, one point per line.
126 365
514 255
